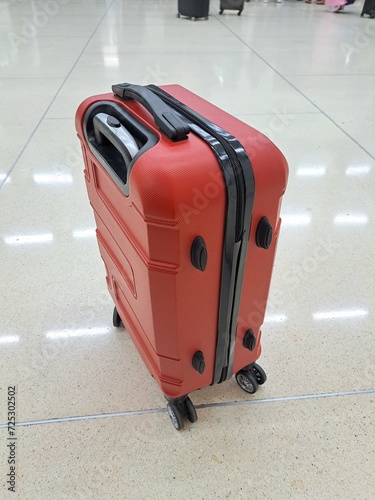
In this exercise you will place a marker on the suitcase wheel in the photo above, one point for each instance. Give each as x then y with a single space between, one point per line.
175 416
221 11
178 15
190 411
259 373
117 321
180 409
246 379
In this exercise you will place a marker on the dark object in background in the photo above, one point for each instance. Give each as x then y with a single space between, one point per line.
232 5
193 9
369 9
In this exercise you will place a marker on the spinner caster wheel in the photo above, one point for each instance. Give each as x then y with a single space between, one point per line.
178 15
239 12
190 411
116 318
175 416
193 18
221 11
259 373
180 409
246 379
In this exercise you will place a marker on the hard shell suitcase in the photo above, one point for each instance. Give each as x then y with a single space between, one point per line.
186 200
369 9
193 9
232 5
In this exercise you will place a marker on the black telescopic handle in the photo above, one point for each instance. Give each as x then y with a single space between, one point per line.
168 121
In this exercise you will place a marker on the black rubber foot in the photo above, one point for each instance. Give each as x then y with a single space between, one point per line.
116 318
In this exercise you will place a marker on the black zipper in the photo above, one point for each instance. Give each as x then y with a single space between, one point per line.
240 185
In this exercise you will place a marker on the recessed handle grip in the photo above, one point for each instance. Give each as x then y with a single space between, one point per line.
123 145
168 121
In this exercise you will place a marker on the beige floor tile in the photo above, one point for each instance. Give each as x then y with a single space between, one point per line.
32 8
148 13
346 101
206 74
125 39
34 57
319 448
16 125
58 25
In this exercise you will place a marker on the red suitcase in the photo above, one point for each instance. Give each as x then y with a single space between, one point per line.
186 201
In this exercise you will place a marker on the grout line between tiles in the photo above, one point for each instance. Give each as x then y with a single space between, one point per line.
201 406
52 100
289 398
298 90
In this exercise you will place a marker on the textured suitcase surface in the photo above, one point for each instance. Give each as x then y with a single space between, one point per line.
146 225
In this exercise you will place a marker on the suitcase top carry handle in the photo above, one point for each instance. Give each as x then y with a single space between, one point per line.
168 120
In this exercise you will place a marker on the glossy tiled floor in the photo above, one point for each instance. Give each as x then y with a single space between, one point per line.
306 78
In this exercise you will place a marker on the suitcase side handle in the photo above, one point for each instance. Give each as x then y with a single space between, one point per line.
108 127
168 120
